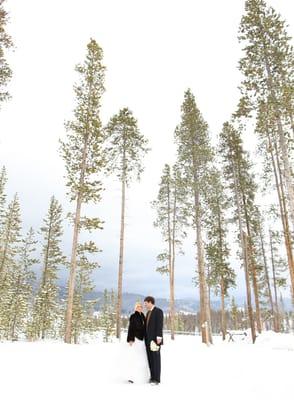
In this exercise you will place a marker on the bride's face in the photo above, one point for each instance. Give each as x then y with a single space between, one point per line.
139 308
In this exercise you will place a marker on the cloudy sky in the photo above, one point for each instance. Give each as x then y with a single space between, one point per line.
153 50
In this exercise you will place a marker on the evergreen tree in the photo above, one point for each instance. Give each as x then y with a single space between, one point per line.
267 88
194 156
22 289
221 275
46 306
278 270
237 170
83 155
10 244
234 313
273 172
172 217
265 278
5 43
107 319
83 321
125 148
3 181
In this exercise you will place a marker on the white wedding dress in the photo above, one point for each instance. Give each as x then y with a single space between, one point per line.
137 368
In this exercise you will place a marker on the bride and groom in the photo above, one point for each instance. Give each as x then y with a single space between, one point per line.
145 339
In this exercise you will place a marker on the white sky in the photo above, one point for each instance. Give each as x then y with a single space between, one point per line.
153 51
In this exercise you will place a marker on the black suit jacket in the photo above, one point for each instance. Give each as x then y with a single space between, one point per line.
155 325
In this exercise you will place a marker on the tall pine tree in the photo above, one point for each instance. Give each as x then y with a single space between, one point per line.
194 156
125 148
83 155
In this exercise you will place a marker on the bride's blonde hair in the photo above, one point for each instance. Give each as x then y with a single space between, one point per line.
138 303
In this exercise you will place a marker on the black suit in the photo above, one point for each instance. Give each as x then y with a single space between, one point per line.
154 328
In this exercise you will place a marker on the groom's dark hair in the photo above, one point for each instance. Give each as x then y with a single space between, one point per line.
150 299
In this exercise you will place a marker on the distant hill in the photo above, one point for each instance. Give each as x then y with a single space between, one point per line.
189 305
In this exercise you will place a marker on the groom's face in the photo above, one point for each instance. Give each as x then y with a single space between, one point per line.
148 305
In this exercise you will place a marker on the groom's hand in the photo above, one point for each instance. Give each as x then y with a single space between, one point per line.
131 342
158 340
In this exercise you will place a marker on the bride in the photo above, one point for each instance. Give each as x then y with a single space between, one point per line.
138 369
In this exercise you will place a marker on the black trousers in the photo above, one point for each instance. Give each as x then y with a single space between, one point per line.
154 362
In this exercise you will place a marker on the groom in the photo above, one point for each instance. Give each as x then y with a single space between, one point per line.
154 326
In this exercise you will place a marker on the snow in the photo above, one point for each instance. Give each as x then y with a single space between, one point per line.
224 371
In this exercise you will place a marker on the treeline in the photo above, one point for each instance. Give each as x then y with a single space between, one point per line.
209 191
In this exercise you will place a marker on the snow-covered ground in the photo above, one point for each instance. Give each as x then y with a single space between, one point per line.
224 371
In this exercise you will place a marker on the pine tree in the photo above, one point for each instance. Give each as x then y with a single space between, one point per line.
125 148
240 181
194 156
267 88
46 306
278 268
107 319
221 275
3 181
83 308
22 289
83 155
5 43
266 282
172 217
269 148
10 244
234 313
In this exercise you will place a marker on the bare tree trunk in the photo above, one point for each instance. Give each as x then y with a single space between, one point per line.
289 240
267 275
255 286
172 270
243 240
44 280
73 261
73 265
204 305
223 312
283 210
249 304
121 261
277 313
252 264
287 170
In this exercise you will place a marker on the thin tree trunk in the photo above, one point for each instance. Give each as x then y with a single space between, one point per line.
172 269
15 310
73 265
287 228
245 260
223 312
252 264
121 258
267 275
223 291
287 171
283 211
204 305
73 261
277 314
44 281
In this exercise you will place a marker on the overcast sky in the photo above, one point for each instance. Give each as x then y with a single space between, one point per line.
153 51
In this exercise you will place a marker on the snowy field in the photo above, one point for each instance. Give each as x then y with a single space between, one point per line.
224 371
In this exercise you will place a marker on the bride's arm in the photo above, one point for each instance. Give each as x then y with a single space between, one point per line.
131 335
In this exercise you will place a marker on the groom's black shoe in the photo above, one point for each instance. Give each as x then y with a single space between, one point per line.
153 383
